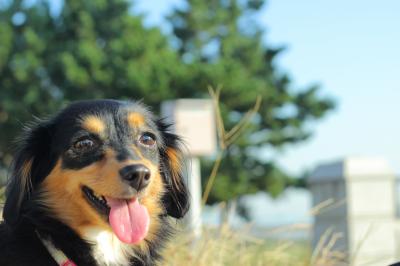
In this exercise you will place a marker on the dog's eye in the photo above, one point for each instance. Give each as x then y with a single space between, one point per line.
147 139
84 145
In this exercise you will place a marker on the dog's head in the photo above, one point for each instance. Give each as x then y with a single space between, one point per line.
101 163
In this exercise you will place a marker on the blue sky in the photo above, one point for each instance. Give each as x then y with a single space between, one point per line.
351 48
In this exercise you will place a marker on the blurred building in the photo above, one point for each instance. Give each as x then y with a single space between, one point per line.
356 211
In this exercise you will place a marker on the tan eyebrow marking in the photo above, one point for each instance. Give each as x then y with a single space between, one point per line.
93 124
135 119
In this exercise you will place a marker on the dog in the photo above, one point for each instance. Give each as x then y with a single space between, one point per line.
97 184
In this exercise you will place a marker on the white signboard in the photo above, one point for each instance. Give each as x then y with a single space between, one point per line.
194 121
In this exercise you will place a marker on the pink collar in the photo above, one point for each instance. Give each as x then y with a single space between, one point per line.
68 263
57 254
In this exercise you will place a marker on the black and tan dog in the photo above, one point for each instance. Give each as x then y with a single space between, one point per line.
95 185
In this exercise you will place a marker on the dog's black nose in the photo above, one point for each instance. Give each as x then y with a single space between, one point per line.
137 175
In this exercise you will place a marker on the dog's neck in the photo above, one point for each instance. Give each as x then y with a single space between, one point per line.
107 248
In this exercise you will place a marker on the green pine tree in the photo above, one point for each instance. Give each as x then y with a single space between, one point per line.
223 45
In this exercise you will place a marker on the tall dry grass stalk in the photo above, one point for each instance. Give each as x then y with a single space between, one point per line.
226 138
324 254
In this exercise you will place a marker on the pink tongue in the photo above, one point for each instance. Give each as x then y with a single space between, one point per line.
128 219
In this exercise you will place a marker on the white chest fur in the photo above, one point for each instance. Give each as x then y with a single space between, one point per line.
108 249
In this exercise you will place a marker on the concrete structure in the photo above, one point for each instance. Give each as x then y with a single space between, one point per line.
363 209
194 121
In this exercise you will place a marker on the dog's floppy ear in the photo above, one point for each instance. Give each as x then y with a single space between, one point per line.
176 199
30 165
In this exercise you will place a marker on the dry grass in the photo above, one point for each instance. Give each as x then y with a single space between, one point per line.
325 255
223 246
226 247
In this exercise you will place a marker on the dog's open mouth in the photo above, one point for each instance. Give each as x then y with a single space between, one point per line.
97 201
128 219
